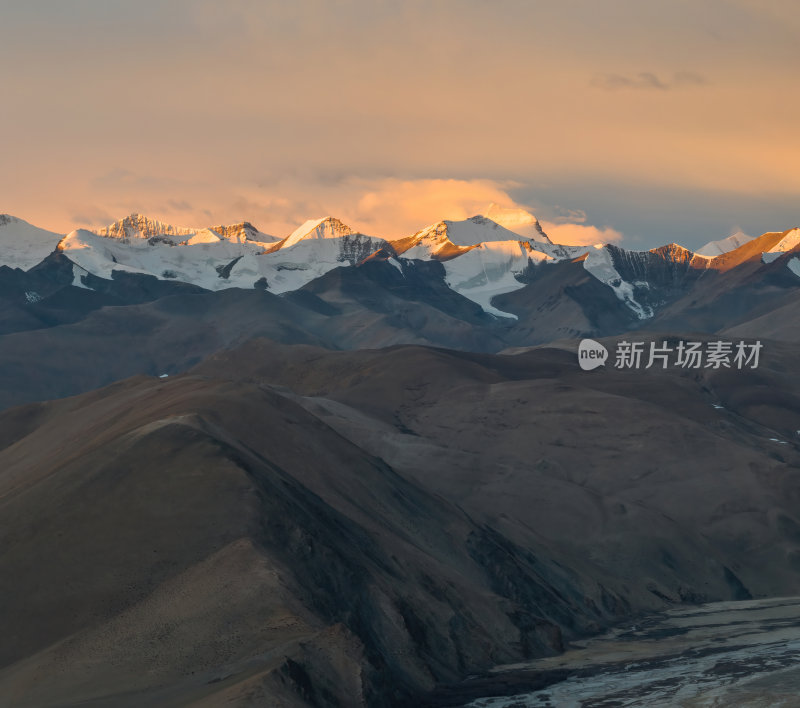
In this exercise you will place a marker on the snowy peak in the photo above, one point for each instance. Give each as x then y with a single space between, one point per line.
789 241
241 232
672 249
449 239
6 219
327 227
431 243
475 230
518 220
23 245
675 253
139 226
724 245
206 259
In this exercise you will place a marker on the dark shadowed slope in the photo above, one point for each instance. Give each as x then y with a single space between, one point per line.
348 308
202 539
162 337
293 526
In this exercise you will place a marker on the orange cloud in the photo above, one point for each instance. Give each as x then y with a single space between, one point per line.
386 207
395 208
580 234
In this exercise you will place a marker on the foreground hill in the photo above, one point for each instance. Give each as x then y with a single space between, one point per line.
287 525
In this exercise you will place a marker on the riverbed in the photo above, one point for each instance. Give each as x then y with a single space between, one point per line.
721 654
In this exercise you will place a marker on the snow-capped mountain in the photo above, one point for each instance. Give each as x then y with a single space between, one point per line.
448 239
23 245
724 245
137 226
217 258
646 280
199 260
520 221
789 241
483 259
477 258
326 227
243 231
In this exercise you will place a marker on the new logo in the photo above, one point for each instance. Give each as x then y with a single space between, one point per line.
591 354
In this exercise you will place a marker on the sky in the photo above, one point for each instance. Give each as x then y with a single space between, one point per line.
623 121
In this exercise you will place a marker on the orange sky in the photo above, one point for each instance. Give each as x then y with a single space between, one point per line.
617 119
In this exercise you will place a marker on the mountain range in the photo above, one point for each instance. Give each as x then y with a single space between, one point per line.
480 260
335 469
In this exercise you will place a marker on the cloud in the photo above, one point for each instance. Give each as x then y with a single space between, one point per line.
613 82
568 227
781 14
179 205
516 219
565 215
647 81
90 217
396 208
384 206
454 88
580 234
689 78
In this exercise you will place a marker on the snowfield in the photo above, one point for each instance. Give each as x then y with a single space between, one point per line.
490 269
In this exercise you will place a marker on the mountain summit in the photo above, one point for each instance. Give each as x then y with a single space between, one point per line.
23 245
517 220
139 226
326 227
724 245
448 239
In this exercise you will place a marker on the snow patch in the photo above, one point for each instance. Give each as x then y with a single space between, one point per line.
724 245
396 264
599 263
789 242
490 269
202 236
78 274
